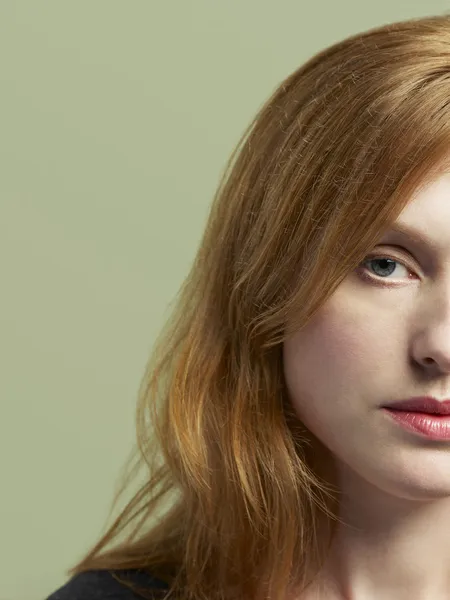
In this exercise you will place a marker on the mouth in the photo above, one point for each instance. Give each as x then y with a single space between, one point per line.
424 416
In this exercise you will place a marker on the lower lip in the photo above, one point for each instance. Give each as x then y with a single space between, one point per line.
435 427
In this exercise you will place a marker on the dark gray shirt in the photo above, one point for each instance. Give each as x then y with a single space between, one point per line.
101 585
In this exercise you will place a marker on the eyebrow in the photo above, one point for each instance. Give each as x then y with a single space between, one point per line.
419 238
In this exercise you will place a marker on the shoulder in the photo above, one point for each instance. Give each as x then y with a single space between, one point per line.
103 585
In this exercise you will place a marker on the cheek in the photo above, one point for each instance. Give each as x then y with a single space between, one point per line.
327 343
331 363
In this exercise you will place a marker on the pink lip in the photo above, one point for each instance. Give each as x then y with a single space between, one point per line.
422 404
435 427
424 415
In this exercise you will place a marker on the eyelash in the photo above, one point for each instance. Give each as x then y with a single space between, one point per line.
377 279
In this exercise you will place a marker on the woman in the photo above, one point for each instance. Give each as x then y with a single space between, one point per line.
319 296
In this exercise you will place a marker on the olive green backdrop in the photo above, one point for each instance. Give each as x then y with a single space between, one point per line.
116 120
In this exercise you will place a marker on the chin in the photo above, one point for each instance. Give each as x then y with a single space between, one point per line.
415 478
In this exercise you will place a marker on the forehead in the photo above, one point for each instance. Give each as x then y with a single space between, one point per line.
426 217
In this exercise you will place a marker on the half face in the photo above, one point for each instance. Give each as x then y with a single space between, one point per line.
383 336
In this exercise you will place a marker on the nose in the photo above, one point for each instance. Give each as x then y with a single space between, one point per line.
431 346
436 365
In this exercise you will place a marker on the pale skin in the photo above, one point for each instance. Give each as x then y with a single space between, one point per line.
367 346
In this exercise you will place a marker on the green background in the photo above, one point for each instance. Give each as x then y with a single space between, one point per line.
116 121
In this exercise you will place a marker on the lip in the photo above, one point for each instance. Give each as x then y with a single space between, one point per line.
423 415
421 404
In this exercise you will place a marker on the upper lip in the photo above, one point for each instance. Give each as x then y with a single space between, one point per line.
424 404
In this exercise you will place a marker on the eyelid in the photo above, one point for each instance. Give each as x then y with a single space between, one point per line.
408 263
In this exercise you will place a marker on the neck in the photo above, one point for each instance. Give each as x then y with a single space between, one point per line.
388 547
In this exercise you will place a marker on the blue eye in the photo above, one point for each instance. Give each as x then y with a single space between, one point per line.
377 269
382 266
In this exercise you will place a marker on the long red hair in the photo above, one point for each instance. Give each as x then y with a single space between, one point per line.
231 495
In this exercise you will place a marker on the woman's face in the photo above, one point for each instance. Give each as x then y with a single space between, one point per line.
383 336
